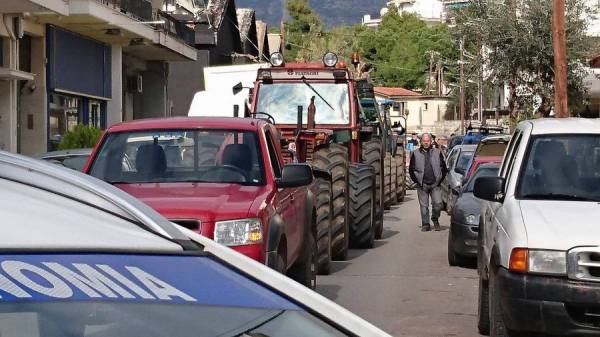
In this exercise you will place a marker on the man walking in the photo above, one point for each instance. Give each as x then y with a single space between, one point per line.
428 169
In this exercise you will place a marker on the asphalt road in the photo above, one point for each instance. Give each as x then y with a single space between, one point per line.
404 285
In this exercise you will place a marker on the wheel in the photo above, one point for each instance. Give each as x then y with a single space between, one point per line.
497 326
454 259
401 176
323 226
334 159
394 180
371 155
304 271
483 308
387 178
362 232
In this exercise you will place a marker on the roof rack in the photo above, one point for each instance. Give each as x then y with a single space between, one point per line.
92 191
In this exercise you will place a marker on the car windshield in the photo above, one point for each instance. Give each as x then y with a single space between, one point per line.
92 295
281 100
562 167
481 172
214 156
463 159
491 149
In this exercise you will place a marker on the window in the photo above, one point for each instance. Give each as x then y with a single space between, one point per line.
215 156
425 106
273 156
561 167
64 114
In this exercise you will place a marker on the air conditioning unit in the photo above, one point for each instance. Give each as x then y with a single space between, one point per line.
134 84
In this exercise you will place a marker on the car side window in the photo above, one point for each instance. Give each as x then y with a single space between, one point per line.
510 153
273 155
452 158
512 158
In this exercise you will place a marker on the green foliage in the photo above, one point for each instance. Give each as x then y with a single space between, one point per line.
401 47
304 28
517 38
81 137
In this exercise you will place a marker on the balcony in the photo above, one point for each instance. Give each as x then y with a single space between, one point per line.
132 24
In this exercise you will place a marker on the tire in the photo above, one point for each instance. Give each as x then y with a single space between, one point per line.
454 259
497 326
334 159
483 308
401 176
371 155
387 178
304 271
394 180
362 207
323 226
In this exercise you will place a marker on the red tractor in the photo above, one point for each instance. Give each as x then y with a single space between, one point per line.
317 110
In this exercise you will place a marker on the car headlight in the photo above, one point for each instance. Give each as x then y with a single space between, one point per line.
238 232
471 219
547 262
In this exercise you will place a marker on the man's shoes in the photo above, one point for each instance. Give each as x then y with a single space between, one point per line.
425 228
436 226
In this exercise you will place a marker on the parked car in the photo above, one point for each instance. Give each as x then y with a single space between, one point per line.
539 266
490 149
457 162
476 134
221 177
74 159
454 141
82 258
464 219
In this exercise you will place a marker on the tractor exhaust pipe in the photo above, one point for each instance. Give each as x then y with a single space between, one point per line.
236 110
299 122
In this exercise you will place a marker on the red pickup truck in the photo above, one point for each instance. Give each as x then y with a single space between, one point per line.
222 177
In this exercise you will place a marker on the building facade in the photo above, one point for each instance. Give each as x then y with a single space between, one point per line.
92 62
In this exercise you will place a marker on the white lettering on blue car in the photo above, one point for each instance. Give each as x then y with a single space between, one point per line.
95 281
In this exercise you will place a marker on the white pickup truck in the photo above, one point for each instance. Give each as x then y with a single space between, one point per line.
539 238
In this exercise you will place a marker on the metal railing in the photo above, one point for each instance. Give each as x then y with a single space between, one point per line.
137 9
176 28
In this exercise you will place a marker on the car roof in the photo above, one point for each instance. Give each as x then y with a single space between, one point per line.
467 147
487 159
495 164
495 139
562 126
229 123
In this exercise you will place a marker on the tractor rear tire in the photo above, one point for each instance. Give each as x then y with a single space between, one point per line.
323 226
394 181
362 206
334 159
401 175
371 155
387 176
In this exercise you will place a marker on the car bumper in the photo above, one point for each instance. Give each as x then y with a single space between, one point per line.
549 305
464 239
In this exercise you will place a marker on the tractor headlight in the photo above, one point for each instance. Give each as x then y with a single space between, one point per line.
238 232
330 59
276 59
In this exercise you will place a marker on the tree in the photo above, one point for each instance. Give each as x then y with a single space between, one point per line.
401 47
516 36
304 28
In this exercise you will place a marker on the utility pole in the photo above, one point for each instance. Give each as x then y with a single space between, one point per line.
560 59
462 88
430 72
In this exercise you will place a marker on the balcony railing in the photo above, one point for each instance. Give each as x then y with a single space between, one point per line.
176 28
142 10
137 9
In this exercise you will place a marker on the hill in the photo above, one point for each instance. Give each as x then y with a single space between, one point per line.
332 12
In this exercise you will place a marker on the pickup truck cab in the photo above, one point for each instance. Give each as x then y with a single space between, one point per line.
223 178
539 253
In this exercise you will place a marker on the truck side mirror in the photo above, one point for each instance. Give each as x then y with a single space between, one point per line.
490 188
238 88
295 175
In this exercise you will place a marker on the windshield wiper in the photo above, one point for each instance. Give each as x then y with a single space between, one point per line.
317 93
558 196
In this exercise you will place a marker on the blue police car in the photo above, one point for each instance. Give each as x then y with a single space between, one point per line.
81 258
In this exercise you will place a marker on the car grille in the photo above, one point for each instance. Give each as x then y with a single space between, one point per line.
585 314
584 264
188 223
